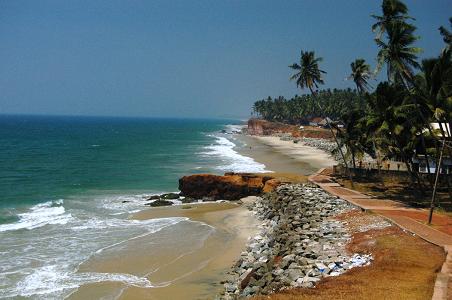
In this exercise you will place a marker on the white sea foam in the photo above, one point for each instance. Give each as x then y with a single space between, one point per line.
127 204
230 128
46 267
121 204
231 160
42 214
51 280
152 225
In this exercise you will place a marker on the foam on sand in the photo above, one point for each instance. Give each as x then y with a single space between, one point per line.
50 280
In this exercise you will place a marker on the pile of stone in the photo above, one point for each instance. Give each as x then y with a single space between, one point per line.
323 144
299 243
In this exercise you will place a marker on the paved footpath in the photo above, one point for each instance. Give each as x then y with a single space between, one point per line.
405 217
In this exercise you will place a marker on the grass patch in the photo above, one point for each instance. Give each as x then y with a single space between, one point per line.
389 187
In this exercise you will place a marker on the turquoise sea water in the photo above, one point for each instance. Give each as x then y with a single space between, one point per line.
47 158
69 184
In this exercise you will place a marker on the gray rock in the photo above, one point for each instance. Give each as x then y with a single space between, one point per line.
159 202
294 274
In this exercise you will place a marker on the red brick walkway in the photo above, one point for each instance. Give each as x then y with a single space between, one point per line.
410 219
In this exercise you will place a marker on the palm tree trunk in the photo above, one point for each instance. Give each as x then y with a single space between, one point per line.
438 170
377 154
426 161
408 162
334 136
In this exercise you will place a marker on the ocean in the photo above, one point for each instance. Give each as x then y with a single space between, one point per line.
68 186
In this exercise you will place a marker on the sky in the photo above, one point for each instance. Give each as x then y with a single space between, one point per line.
186 59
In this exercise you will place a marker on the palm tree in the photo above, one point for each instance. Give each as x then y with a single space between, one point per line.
398 53
434 89
353 135
396 124
393 11
389 119
447 35
360 75
308 75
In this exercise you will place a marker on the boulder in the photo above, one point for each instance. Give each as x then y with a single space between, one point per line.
170 196
160 202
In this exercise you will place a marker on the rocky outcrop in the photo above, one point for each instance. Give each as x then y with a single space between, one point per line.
231 186
270 185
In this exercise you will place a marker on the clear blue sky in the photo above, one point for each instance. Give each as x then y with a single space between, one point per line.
181 58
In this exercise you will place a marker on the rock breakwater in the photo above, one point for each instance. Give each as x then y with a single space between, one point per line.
323 144
299 243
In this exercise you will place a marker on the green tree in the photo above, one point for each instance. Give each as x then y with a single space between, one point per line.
360 75
398 53
353 136
393 11
390 118
447 35
308 75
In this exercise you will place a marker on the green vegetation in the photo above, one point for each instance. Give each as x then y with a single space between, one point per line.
300 108
394 119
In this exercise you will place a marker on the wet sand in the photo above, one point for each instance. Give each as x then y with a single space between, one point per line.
196 275
284 156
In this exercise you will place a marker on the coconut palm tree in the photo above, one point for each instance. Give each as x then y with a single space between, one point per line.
434 89
390 118
360 75
393 11
308 75
447 35
398 53
353 135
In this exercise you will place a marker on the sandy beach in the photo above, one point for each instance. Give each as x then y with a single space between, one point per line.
284 156
196 274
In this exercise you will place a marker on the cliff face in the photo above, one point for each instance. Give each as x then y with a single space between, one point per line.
228 187
263 127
